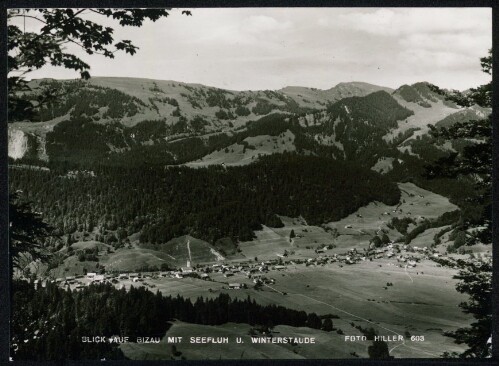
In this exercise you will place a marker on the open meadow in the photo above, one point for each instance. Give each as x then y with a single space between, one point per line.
421 302
383 293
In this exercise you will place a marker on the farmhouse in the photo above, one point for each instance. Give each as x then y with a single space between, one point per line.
98 278
236 286
257 279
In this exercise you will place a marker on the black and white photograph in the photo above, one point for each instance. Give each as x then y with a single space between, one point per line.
252 183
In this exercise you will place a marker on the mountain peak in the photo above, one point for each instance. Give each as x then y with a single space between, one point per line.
358 84
356 89
422 93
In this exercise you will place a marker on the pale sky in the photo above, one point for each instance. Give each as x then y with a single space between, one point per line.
270 48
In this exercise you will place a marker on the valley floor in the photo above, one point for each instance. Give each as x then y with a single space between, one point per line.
411 301
422 303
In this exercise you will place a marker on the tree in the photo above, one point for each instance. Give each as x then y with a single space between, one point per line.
377 242
28 51
482 95
69 241
327 325
476 281
313 321
27 233
274 221
378 350
475 163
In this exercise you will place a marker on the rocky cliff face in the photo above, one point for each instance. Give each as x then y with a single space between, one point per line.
18 143
25 144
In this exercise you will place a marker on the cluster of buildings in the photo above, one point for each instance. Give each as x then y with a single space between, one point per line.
257 272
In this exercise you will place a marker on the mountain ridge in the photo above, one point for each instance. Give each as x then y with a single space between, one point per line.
123 118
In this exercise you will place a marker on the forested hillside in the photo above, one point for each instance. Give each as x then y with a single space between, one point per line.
133 100
209 203
359 123
423 94
177 110
134 313
101 127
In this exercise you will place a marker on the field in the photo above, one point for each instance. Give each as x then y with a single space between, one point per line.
353 231
383 165
380 293
427 236
175 253
186 248
132 259
422 301
328 344
237 154
421 118
415 202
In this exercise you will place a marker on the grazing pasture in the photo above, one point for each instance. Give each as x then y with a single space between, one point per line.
238 154
327 344
415 202
421 301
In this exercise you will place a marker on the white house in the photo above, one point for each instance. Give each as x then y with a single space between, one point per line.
98 278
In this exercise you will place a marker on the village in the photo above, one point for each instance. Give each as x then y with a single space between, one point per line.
233 275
